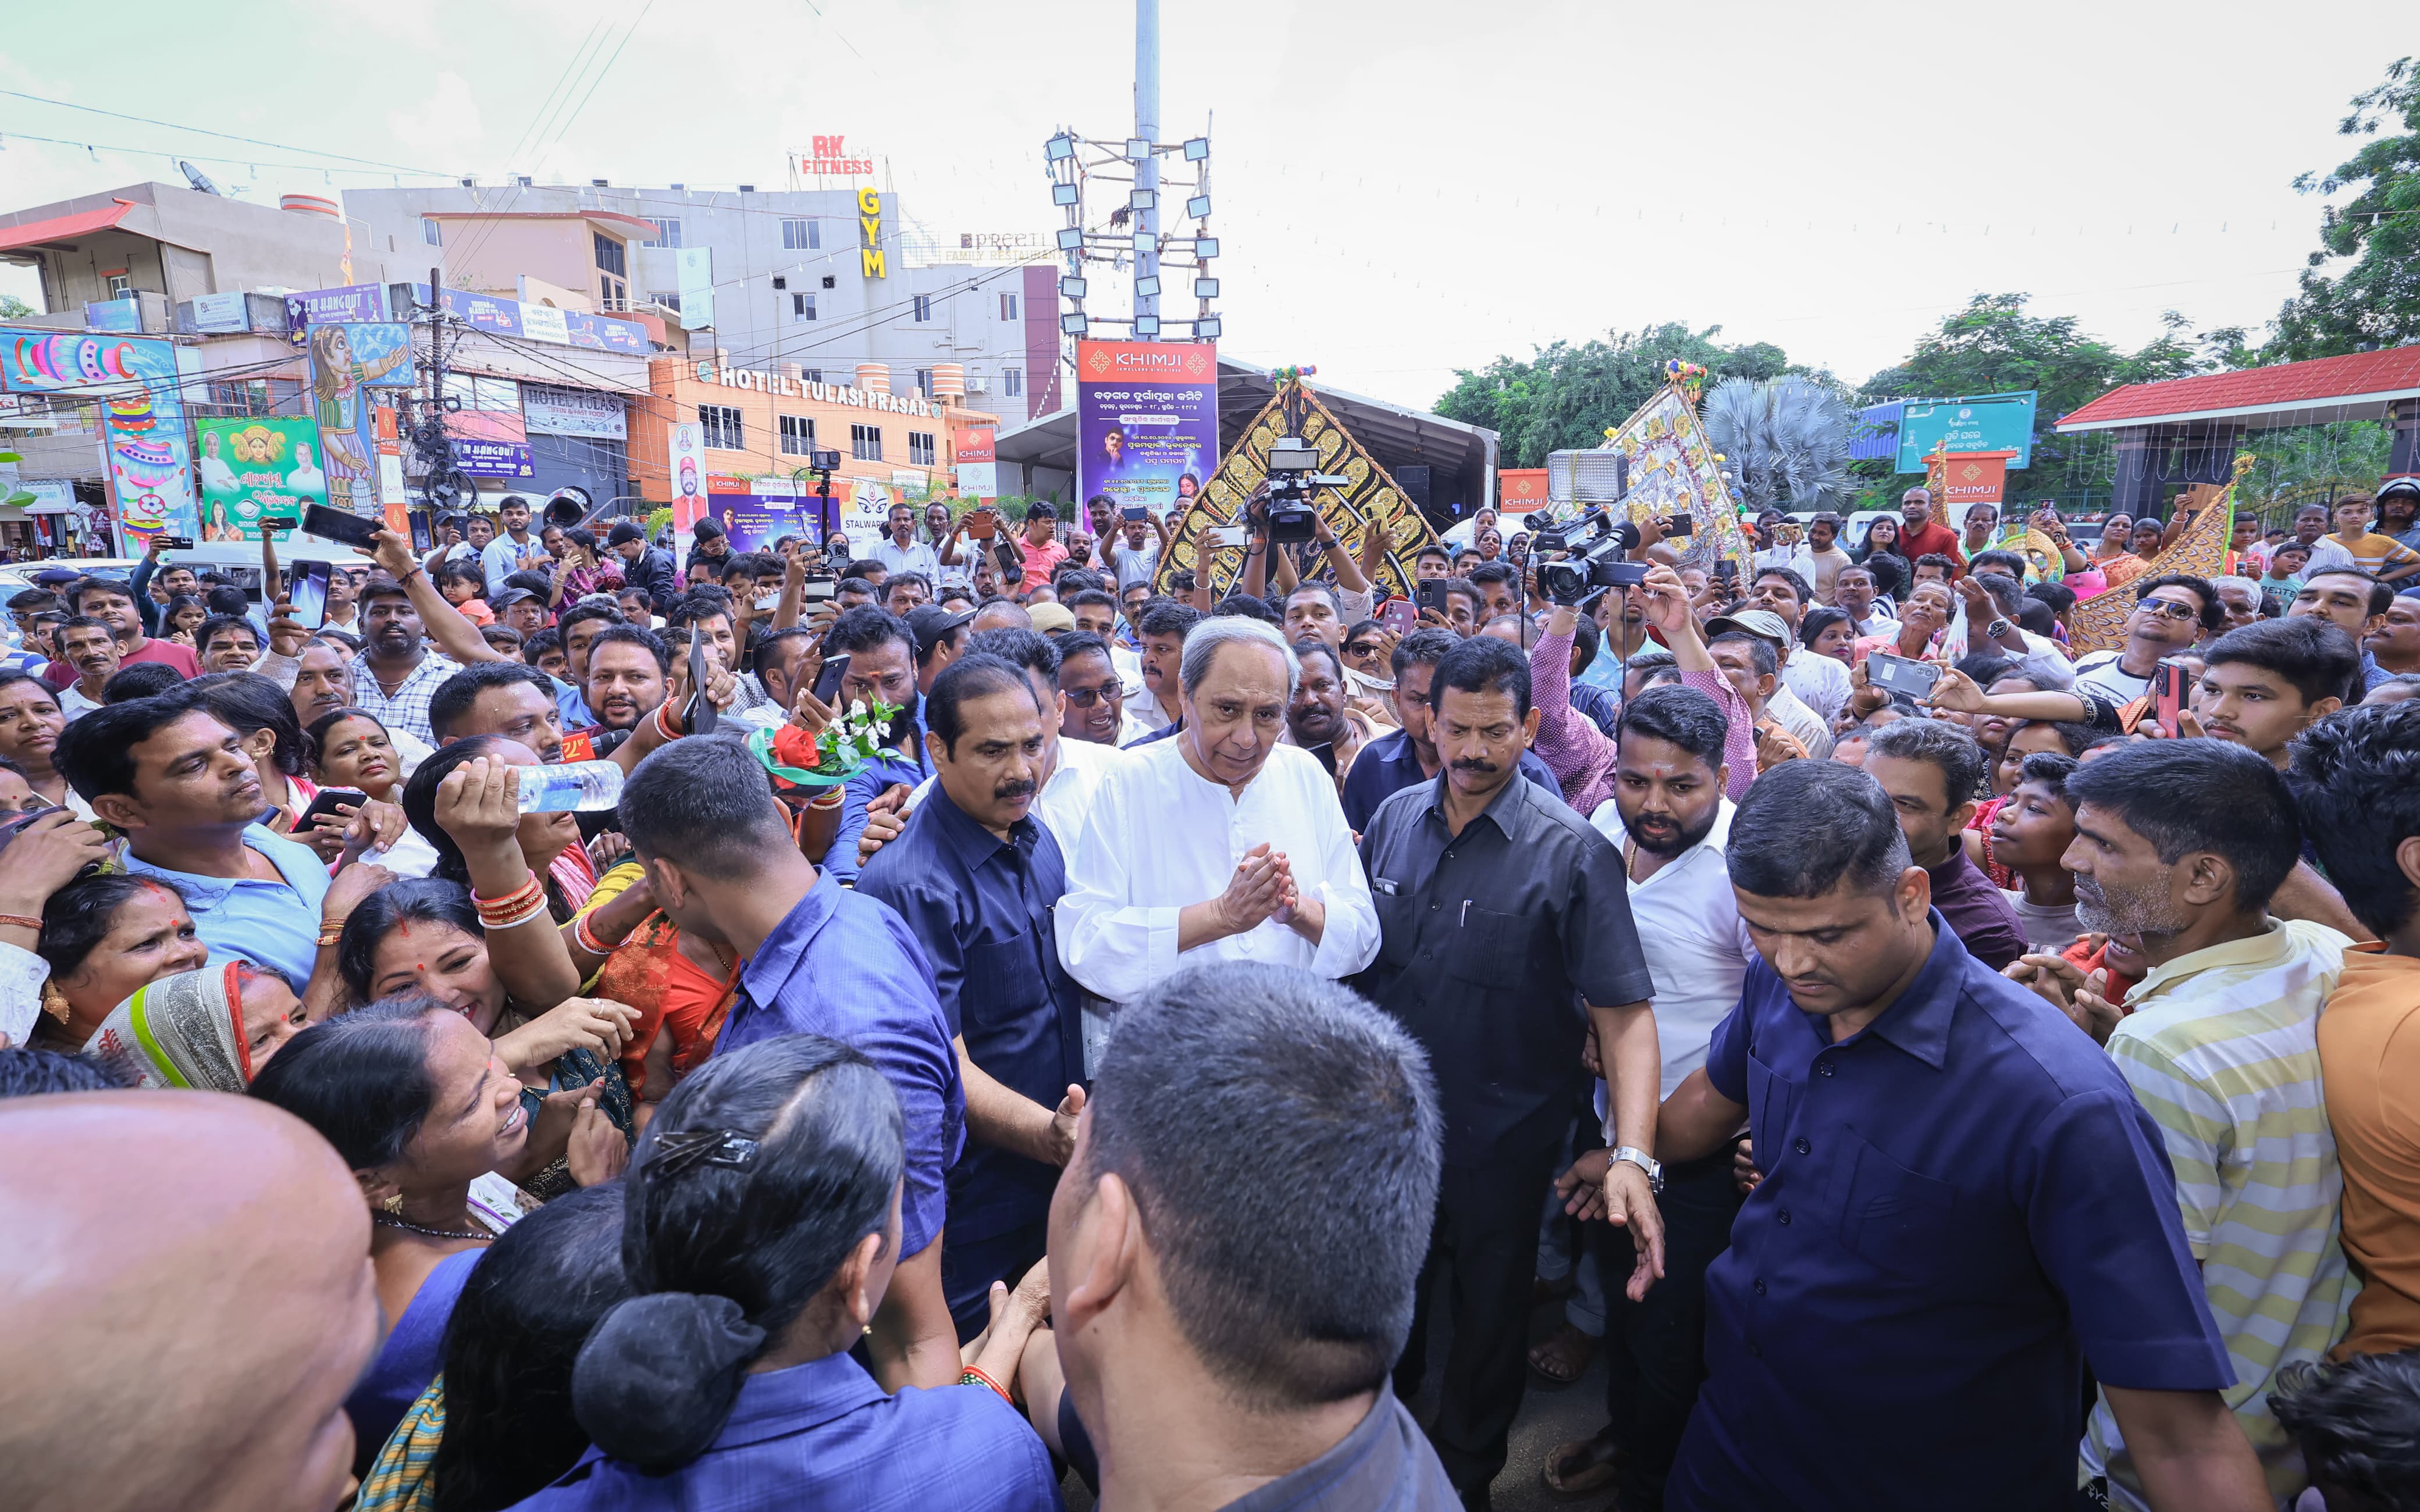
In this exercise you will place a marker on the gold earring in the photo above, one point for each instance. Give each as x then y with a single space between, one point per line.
393 1203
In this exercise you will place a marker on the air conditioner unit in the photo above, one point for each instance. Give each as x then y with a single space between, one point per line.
977 383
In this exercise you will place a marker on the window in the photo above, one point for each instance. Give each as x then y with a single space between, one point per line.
812 374
802 234
612 293
920 448
429 231
668 234
721 425
1008 307
865 442
670 301
924 307
802 307
610 258
798 435
121 286
1012 381
925 381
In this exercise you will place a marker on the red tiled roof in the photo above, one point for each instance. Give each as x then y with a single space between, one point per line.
2377 376
62 227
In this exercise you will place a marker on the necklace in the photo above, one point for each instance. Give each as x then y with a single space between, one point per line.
433 1233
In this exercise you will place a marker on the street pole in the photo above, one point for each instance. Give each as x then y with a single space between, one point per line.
1147 126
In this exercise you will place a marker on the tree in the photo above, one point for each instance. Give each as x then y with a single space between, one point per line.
1785 442
1994 346
1566 396
2376 301
13 308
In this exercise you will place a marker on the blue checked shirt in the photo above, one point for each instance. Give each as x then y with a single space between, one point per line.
406 707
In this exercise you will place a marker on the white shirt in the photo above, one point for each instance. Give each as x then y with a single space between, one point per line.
73 704
916 556
1820 682
1159 838
2326 552
1128 666
2100 673
1067 798
1690 929
1135 564
1877 623
1145 711
1786 709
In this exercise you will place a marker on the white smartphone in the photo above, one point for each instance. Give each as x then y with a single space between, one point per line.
1227 537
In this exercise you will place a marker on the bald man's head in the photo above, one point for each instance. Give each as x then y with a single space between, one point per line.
190 1302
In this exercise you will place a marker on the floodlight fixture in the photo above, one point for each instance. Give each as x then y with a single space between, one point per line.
1059 148
1197 149
1205 288
1198 206
1146 325
1206 248
1146 243
1143 199
1206 329
1065 194
1147 288
1073 288
1071 239
1074 324
1138 149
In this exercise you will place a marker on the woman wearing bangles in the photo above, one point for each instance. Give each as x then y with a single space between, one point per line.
495 955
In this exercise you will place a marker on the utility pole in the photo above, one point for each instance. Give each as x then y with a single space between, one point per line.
1146 264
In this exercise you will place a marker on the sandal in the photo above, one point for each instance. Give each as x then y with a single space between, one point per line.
1560 1356
1580 1468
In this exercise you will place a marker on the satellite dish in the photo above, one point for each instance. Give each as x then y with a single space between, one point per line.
198 179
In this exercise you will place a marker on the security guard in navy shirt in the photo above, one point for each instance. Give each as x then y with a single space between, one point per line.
976 877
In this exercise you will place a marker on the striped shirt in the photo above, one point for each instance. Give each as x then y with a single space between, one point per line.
2222 1047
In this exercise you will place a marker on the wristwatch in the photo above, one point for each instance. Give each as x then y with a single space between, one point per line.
1645 1161
1996 629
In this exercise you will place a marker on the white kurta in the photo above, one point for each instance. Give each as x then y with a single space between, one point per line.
1160 838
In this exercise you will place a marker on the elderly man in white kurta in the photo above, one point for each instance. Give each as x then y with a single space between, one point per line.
1218 842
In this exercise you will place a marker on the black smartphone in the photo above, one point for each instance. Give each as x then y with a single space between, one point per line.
13 825
326 805
1431 594
308 593
828 680
2171 684
1900 674
175 543
1680 525
335 525
1134 512
1006 556
700 714
1725 570
281 522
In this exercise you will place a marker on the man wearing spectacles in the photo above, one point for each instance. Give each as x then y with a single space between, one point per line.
1093 693
2171 611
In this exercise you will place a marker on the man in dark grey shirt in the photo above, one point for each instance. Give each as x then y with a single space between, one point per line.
1506 944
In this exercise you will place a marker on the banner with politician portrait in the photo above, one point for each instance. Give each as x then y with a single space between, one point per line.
1146 421
252 467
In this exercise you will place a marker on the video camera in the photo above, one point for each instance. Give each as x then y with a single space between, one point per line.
1594 549
1294 478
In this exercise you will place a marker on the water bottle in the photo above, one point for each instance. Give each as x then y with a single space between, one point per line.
572 787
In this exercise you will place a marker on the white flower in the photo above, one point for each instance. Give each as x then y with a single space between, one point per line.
856 708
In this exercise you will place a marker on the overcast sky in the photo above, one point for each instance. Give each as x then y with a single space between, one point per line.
1402 189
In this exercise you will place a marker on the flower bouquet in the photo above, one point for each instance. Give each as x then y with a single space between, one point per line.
796 755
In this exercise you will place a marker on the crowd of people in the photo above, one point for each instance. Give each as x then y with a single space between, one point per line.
989 1021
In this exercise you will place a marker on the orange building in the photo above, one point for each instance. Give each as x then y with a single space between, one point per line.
759 427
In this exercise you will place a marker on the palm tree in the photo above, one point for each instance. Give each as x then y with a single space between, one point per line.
1785 442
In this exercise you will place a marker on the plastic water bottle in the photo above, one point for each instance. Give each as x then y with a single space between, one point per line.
576 787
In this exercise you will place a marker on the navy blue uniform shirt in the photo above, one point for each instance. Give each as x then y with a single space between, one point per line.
1963 1204
846 967
982 907
1388 766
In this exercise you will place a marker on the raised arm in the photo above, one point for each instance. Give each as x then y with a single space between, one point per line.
1668 611
454 636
